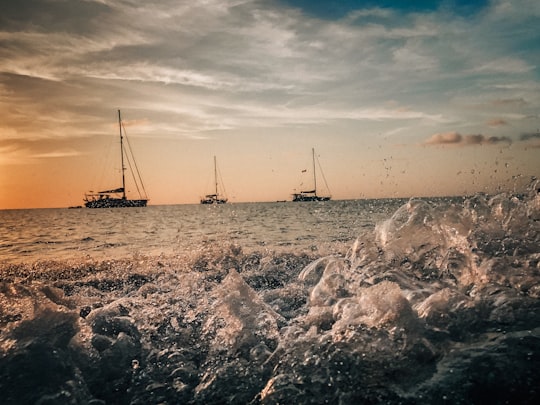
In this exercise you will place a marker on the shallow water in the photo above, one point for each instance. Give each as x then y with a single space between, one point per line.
394 302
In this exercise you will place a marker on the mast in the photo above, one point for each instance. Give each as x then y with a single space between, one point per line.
314 174
122 157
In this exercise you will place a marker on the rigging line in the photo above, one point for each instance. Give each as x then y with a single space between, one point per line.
128 154
128 159
135 164
324 178
221 181
131 163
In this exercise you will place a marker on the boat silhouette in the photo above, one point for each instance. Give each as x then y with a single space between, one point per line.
311 194
215 197
116 197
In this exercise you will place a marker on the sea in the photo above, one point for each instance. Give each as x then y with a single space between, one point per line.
389 301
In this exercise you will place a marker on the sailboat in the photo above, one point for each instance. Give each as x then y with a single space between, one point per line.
311 195
116 197
214 198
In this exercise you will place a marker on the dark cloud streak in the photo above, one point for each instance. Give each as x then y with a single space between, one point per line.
51 16
529 136
457 139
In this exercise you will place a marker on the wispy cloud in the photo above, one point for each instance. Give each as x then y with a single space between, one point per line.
56 154
32 152
505 65
496 122
512 102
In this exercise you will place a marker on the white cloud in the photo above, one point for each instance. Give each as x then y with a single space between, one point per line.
504 65
56 154
409 57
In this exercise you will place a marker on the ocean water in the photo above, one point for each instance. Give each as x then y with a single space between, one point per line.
415 301
78 234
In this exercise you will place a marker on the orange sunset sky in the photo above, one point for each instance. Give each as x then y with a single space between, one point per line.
432 99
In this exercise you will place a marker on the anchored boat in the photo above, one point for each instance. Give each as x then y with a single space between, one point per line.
116 197
311 195
214 198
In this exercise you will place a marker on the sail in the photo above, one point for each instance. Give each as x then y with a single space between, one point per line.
116 190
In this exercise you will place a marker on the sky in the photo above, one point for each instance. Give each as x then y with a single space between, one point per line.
399 99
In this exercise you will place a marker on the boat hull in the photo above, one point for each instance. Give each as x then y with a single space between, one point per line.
115 203
213 199
309 198
310 195
208 201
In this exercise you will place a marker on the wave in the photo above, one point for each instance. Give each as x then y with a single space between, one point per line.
438 303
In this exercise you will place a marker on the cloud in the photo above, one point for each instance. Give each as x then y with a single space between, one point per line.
444 139
457 139
529 136
505 65
230 64
135 122
23 152
496 122
513 102
57 154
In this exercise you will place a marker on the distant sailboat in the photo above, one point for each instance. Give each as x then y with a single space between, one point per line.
214 198
311 195
116 198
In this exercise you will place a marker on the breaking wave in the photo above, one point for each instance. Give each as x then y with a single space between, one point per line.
440 303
